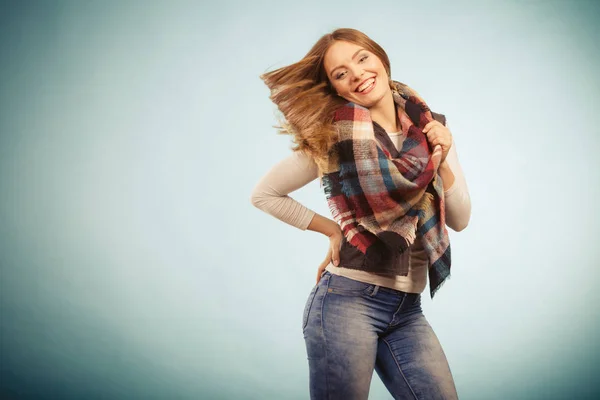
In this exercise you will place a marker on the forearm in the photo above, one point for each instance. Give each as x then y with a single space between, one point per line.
456 193
284 208
271 193
447 175
324 225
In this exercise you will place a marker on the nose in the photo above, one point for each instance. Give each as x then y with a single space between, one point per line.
357 72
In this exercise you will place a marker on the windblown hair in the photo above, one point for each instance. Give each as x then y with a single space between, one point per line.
305 97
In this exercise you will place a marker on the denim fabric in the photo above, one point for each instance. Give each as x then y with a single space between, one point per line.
352 328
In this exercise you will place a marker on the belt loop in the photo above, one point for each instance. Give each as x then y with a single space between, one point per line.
375 291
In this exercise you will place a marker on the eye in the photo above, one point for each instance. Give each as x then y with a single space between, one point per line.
363 58
340 75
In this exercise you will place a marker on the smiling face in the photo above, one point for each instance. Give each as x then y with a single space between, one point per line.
356 74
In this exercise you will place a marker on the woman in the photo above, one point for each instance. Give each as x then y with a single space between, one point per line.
392 180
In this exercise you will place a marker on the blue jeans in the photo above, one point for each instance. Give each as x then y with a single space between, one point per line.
352 328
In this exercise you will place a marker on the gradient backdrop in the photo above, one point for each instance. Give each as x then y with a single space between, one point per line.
132 133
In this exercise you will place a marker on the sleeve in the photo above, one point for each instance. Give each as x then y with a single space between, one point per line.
457 198
271 192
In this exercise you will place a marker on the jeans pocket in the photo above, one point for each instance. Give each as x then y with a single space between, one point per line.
308 305
348 287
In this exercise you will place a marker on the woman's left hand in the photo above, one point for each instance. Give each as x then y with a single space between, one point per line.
438 134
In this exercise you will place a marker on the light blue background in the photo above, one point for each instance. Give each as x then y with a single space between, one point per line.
132 133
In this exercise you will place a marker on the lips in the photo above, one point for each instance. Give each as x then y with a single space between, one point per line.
365 84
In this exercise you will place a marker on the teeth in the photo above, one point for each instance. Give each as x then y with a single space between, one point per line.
366 85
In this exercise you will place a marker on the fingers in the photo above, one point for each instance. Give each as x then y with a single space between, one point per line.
335 252
335 258
327 259
438 135
436 156
441 142
324 264
333 255
430 125
435 128
437 132
319 272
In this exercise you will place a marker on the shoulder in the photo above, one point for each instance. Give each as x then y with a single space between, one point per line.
301 162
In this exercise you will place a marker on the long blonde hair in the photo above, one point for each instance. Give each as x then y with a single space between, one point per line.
305 97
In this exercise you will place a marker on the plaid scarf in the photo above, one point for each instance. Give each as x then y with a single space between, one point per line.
383 203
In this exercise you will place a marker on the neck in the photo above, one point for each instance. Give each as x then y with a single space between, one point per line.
384 113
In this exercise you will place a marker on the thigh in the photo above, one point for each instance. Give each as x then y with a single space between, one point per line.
341 341
412 364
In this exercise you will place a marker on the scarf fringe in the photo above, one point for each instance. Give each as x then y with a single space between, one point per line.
433 291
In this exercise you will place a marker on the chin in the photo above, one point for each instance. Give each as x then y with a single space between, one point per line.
370 103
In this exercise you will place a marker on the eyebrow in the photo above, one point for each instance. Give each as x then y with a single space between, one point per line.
339 66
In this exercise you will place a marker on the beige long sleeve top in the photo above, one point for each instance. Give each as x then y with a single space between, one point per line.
271 195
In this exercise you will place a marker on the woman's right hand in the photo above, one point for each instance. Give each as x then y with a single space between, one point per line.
333 253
